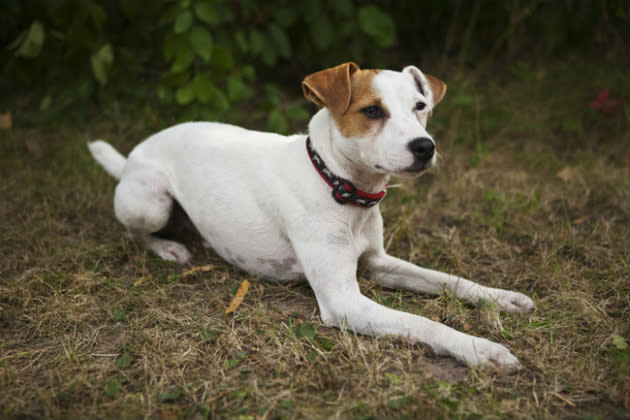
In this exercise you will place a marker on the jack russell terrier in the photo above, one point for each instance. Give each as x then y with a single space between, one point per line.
306 206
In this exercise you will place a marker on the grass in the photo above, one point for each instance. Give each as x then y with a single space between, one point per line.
532 196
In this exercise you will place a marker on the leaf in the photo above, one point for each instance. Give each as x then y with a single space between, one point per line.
173 43
480 304
200 269
183 60
306 330
378 25
206 13
223 58
31 41
201 42
238 297
400 402
619 342
237 90
207 336
112 387
280 40
119 315
249 73
393 378
241 42
311 356
219 101
45 103
124 361
326 343
183 22
286 404
257 41
97 13
239 393
269 57
204 89
101 62
232 363
277 122
170 395
297 113
273 94
185 94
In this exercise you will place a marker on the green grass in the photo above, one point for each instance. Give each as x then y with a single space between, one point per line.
532 195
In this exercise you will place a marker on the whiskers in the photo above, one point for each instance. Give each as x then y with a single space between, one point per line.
439 160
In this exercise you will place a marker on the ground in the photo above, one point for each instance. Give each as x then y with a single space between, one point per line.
532 195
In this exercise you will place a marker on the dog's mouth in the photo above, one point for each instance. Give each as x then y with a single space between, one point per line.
417 168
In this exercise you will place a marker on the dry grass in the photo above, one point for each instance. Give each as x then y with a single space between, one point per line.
533 196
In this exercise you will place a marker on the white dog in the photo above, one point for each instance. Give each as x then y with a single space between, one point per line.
307 206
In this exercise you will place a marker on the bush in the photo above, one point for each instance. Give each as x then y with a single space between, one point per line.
205 56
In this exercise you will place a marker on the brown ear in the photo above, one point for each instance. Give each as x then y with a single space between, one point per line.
331 87
438 88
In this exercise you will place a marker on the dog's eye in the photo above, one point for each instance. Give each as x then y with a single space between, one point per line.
373 112
420 106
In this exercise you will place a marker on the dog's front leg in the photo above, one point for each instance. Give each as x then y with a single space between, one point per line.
396 273
331 272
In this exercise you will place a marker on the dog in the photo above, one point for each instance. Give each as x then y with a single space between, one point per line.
307 206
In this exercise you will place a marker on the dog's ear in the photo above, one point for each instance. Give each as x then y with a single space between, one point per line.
438 88
430 86
330 88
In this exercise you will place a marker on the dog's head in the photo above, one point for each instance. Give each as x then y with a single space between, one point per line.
381 115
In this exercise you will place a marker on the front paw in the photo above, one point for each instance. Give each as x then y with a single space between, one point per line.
484 352
513 302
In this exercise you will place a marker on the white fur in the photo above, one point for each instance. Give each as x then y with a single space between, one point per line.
259 203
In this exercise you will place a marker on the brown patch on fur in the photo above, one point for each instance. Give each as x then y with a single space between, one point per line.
330 87
353 123
345 90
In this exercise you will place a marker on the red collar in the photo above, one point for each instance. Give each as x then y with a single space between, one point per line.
343 191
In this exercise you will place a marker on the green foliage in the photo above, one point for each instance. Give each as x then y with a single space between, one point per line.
29 43
305 330
119 315
101 62
112 387
124 361
206 57
378 25
170 395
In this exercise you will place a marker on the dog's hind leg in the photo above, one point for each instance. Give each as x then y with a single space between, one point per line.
143 204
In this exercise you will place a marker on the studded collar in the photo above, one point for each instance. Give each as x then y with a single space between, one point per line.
343 191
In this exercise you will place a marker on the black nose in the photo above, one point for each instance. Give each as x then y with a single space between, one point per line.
422 148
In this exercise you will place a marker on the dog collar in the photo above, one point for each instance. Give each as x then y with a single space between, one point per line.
343 191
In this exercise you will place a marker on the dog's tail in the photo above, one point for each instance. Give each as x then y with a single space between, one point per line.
108 157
